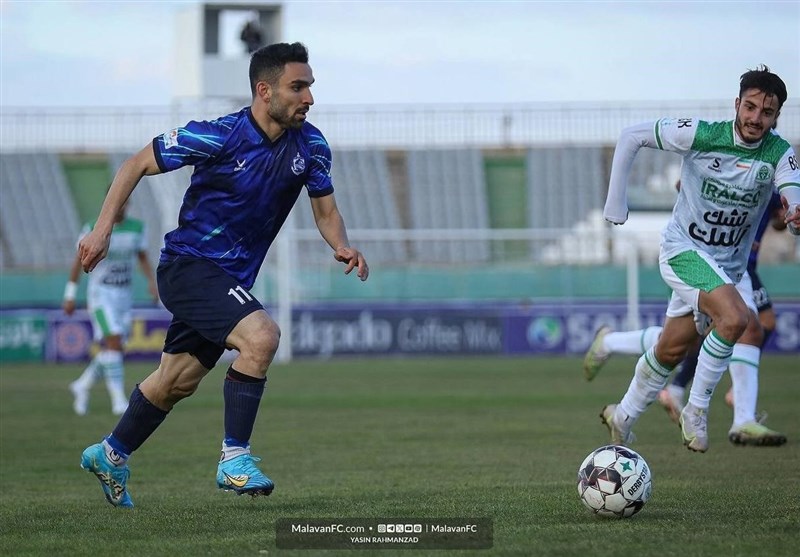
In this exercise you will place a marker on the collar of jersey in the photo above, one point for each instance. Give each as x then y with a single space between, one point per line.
261 132
739 142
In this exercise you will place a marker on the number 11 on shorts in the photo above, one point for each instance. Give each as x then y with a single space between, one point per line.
242 295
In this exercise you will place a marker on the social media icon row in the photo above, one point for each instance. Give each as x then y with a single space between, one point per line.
399 528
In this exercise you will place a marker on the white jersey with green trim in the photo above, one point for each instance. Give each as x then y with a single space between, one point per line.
128 238
726 185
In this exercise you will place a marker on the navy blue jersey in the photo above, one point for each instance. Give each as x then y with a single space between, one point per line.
242 188
774 204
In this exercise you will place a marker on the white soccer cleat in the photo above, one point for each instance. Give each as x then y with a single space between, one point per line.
756 434
596 356
620 433
694 428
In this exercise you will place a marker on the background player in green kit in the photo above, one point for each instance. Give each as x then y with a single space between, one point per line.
729 172
109 300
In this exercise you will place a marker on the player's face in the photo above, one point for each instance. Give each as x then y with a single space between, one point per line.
756 114
291 96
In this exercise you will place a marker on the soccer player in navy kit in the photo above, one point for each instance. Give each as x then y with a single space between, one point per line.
249 169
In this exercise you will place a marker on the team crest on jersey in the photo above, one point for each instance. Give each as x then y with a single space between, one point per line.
764 175
170 138
298 165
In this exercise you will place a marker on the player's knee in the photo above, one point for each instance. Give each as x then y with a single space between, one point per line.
767 320
753 333
180 390
733 324
262 345
113 342
166 394
670 355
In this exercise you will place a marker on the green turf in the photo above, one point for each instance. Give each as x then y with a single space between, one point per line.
476 437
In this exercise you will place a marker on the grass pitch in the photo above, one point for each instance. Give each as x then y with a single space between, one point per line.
427 438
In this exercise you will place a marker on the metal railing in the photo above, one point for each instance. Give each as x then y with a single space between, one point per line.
128 128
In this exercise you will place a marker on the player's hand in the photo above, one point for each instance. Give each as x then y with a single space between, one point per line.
68 306
92 249
616 219
792 216
352 258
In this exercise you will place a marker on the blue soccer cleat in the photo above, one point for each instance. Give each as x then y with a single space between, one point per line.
241 475
112 478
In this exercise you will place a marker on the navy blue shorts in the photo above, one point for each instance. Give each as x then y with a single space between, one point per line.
760 294
206 304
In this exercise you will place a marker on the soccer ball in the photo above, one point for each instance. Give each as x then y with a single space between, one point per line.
614 481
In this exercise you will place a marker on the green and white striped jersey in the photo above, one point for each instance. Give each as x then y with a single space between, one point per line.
128 238
726 185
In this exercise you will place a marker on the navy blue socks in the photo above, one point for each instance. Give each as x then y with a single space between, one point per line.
242 395
138 422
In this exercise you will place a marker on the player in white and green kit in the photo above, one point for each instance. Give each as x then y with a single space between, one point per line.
729 172
109 300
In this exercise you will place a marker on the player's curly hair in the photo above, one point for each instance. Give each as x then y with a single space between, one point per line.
267 63
765 81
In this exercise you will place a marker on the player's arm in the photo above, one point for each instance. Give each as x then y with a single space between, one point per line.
147 271
668 134
791 207
71 289
331 225
787 178
94 246
326 214
631 139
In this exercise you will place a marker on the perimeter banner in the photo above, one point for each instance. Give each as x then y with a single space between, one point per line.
327 330
69 338
22 336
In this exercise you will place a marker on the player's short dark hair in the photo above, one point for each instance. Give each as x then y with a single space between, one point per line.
267 63
765 81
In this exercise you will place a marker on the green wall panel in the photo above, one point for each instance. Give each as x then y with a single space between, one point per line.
88 179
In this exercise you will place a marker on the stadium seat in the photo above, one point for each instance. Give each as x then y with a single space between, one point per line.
447 190
364 196
40 224
156 201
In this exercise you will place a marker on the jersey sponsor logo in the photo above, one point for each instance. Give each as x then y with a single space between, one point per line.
117 273
240 165
114 280
730 236
298 165
170 138
729 194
